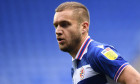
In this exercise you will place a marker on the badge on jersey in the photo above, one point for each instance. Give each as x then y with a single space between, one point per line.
82 73
109 53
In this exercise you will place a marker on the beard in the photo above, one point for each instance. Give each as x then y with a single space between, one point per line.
75 40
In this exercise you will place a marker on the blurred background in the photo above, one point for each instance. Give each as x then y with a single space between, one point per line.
29 53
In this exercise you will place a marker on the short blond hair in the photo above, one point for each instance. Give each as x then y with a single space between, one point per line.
79 9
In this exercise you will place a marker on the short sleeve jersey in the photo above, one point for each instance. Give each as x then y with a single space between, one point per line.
95 62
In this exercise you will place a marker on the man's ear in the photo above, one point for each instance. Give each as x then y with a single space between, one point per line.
85 26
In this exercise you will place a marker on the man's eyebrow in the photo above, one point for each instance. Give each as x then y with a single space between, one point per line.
60 22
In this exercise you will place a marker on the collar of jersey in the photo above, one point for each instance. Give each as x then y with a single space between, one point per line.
83 48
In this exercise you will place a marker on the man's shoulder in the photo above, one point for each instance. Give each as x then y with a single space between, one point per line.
95 48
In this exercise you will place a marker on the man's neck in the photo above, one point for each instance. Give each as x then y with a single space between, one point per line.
76 49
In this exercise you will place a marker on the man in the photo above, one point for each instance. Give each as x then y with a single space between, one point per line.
93 62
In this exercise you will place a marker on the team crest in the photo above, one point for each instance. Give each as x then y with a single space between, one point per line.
109 53
82 73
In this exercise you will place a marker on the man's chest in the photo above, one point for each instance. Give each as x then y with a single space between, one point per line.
83 73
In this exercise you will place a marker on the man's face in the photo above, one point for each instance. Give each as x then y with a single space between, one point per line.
68 32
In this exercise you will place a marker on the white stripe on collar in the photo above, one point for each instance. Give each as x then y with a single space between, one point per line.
83 48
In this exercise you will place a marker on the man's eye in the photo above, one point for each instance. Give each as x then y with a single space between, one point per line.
55 26
64 24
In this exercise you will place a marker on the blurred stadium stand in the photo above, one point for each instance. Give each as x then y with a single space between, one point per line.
29 53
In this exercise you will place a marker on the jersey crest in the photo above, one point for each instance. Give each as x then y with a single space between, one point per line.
82 73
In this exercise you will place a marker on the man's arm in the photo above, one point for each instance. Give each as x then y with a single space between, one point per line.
129 76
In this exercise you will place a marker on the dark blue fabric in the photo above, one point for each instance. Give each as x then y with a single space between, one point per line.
98 79
102 64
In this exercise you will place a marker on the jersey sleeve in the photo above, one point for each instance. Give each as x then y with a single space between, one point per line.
107 61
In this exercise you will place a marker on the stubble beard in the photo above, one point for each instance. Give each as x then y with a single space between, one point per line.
72 46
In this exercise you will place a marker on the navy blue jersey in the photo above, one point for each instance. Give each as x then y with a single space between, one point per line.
95 62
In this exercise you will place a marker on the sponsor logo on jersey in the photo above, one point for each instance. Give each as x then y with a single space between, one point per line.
109 53
100 46
82 73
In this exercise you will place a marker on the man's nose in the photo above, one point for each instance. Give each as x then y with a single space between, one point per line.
58 31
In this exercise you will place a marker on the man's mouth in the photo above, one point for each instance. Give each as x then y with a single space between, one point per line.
60 40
